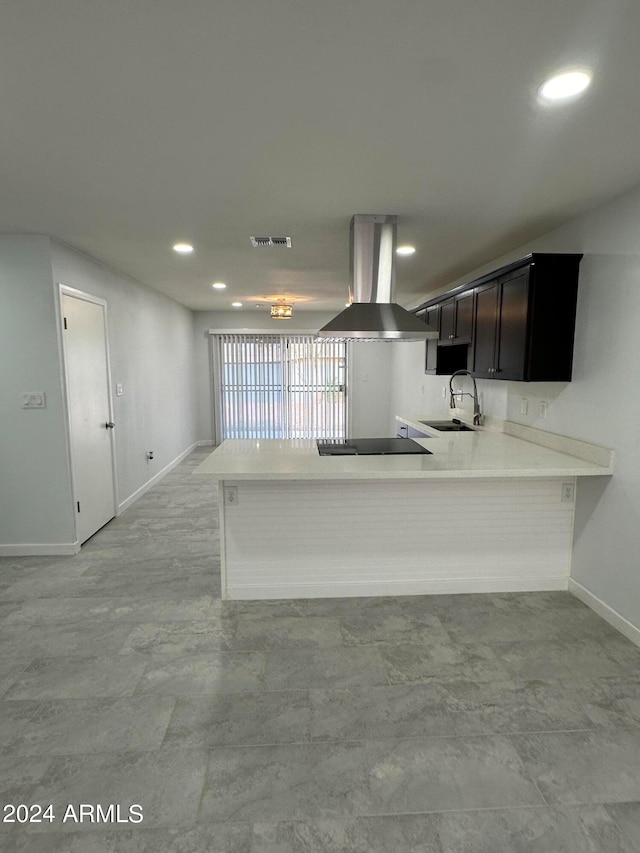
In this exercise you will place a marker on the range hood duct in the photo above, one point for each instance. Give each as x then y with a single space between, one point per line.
372 314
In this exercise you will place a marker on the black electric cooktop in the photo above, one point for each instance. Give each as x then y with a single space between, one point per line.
370 447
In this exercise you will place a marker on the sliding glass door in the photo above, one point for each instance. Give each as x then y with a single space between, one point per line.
280 386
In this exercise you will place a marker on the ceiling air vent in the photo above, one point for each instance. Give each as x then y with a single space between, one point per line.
256 242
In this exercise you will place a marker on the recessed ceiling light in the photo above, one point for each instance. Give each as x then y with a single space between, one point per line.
566 85
219 285
236 304
405 250
183 248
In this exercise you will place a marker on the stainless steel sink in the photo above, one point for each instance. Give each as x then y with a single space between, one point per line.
448 426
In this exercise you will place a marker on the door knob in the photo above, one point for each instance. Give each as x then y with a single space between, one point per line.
109 425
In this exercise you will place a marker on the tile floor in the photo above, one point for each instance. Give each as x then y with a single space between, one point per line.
447 724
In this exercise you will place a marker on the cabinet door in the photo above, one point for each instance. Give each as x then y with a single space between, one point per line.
464 318
432 318
486 328
456 319
447 321
512 327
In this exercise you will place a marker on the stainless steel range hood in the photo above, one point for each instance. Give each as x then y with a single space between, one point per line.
372 314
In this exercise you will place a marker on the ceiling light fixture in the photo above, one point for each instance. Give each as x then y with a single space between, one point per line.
236 304
405 250
568 84
281 311
218 285
183 248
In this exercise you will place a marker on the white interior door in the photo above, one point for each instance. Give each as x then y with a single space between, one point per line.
89 402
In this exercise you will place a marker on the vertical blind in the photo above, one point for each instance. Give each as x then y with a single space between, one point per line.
280 386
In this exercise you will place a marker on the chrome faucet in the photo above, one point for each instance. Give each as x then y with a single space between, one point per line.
477 417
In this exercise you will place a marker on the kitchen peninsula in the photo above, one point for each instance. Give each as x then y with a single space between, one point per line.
486 510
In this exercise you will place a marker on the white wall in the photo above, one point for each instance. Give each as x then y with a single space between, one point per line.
151 343
368 397
151 340
415 394
35 484
602 402
370 388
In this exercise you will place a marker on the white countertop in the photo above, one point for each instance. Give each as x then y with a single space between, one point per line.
481 453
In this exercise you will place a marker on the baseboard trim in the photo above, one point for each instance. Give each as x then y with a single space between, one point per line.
615 619
126 503
392 587
56 549
68 549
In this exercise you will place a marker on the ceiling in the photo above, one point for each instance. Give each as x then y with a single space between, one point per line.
128 126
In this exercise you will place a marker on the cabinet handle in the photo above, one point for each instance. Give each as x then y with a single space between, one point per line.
451 337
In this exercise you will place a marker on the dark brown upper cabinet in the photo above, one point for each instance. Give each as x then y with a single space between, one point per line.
500 341
456 319
522 321
447 358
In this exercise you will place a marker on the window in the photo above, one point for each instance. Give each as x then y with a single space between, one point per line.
279 386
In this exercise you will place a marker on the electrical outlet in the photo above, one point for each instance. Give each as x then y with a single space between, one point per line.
524 406
544 408
33 400
568 492
230 495
444 391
